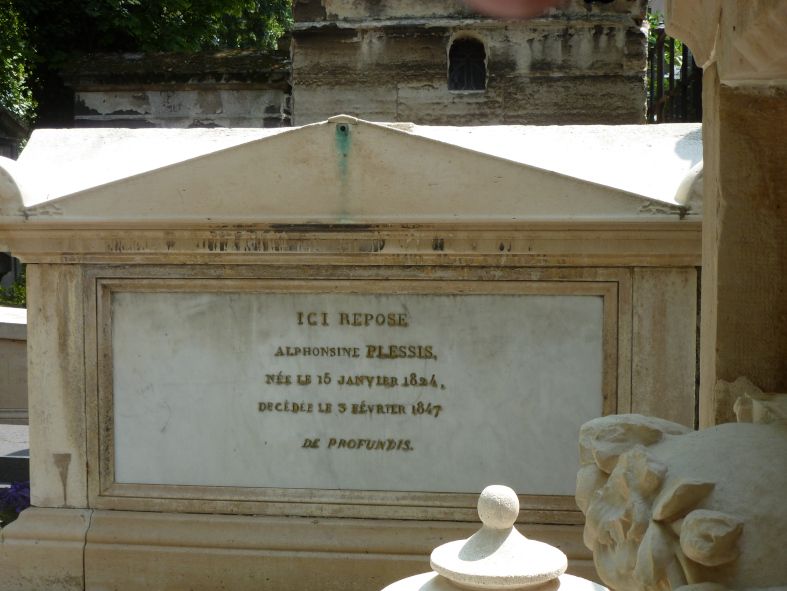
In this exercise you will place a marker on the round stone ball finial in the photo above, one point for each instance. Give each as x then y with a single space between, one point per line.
498 507
497 557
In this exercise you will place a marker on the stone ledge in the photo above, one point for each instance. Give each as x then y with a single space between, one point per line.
13 324
84 549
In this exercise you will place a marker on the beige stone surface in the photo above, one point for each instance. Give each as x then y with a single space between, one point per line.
732 397
44 549
743 40
599 154
374 102
742 47
178 552
346 160
669 509
761 408
56 381
608 155
65 549
13 366
130 550
745 314
665 344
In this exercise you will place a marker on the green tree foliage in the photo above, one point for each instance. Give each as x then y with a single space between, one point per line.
15 55
61 27
15 295
656 24
39 36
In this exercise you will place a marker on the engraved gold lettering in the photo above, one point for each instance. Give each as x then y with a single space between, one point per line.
400 352
370 381
278 379
370 444
312 318
364 319
363 408
322 351
420 408
286 406
311 381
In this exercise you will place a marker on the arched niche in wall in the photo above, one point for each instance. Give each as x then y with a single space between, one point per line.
467 64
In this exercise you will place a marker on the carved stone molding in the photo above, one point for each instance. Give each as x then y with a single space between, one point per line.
745 39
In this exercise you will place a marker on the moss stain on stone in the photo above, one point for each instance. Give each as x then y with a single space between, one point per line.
343 143
342 137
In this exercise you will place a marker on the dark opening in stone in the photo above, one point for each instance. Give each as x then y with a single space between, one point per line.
467 65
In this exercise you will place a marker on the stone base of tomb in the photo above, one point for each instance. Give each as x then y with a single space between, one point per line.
84 549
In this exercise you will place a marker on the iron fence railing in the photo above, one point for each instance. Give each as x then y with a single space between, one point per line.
674 81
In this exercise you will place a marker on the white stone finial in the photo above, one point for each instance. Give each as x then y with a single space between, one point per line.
498 557
498 507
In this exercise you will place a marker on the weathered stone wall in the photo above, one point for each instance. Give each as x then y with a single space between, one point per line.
13 366
386 60
330 10
225 89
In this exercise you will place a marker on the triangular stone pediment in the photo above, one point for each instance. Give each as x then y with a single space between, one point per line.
340 171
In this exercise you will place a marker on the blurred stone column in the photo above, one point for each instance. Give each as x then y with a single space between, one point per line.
742 47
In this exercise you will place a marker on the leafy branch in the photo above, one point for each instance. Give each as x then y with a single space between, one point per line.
37 37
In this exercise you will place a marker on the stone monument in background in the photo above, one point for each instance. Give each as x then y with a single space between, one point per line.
436 62
431 62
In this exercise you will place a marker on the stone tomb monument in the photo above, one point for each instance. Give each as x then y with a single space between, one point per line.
13 366
292 360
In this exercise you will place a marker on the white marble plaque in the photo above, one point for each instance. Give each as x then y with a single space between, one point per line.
412 392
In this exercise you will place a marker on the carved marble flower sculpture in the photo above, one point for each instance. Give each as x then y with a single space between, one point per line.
668 508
